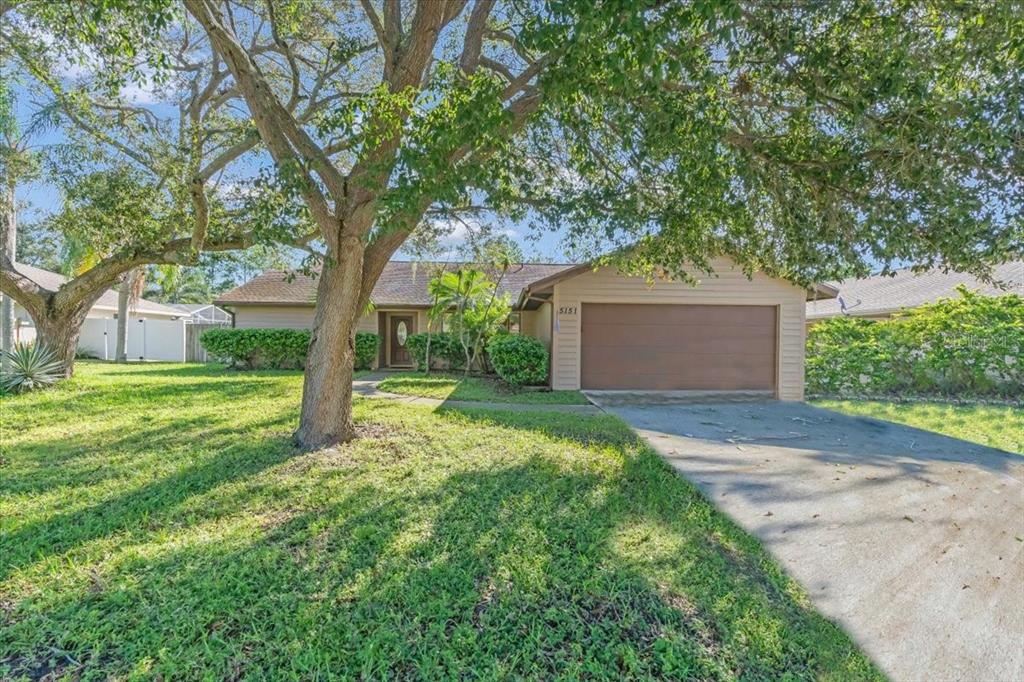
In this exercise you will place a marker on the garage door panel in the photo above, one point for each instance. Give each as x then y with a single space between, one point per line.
671 340
698 373
662 360
671 315
671 382
706 366
678 347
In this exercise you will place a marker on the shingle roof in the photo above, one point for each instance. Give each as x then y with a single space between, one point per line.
401 283
107 301
881 294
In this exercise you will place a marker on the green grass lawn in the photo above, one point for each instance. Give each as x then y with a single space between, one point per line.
448 386
992 425
157 522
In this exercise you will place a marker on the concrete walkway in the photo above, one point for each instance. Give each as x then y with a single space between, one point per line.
366 387
913 542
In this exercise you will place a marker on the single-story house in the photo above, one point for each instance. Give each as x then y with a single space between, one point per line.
203 313
880 296
604 330
155 332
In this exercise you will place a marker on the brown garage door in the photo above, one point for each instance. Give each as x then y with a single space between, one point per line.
678 347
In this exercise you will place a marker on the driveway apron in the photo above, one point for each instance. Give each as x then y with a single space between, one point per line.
911 541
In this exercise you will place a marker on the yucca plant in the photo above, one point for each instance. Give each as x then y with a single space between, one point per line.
31 367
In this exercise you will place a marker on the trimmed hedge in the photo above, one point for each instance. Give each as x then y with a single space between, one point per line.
275 348
367 345
444 347
518 360
969 346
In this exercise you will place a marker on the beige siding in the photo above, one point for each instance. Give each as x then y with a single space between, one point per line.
273 317
288 317
367 323
729 286
537 323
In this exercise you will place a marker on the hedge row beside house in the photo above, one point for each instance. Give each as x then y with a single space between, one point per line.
517 360
367 347
968 346
276 348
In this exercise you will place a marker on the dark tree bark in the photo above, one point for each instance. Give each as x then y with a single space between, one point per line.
59 314
327 386
59 331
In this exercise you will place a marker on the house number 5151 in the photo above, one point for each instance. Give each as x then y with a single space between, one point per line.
568 310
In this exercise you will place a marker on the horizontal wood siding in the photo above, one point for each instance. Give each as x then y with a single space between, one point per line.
273 317
288 317
368 323
728 286
537 323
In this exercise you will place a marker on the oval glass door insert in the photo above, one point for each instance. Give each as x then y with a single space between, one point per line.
401 333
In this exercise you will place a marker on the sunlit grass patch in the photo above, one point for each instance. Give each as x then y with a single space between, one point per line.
996 426
180 534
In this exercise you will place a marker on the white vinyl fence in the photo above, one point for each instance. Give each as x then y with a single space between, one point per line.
147 339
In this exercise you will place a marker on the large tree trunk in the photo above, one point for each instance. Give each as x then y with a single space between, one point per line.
59 333
10 227
326 417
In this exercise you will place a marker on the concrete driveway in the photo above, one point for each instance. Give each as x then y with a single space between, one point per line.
911 541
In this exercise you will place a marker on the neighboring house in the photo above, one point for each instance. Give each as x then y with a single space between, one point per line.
155 331
604 330
881 296
203 313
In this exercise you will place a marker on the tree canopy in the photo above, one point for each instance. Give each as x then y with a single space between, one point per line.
808 139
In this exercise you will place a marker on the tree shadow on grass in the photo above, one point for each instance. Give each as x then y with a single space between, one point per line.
151 502
524 566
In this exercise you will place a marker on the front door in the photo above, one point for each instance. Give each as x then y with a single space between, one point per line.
401 330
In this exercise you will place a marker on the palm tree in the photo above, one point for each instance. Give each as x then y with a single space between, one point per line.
128 295
477 311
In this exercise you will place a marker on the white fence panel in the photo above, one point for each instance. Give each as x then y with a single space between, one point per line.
98 337
157 340
147 339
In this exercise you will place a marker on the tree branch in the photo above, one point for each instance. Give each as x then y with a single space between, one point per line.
378 30
473 41
277 126
392 33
